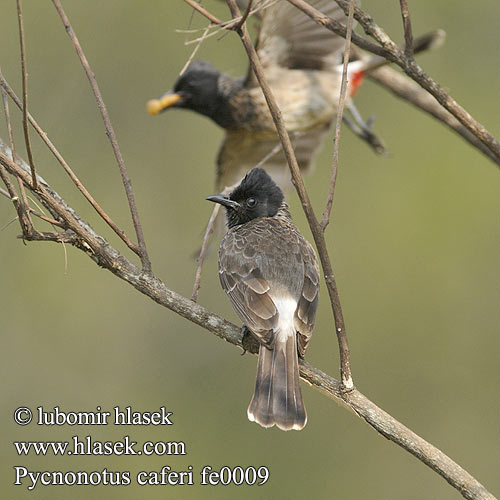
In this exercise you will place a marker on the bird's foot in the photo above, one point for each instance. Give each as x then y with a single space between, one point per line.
248 341
363 129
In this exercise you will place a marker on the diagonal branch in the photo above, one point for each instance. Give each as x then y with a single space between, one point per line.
203 11
25 92
8 89
408 90
405 13
146 263
203 251
20 204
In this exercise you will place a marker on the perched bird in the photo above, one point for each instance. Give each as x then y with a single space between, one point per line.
271 275
302 64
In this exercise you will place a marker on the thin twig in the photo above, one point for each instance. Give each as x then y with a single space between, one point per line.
6 194
47 219
345 364
25 222
340 112
25 92
146 263
85 240
203 251
273 152
195 50
221 25
244 17
5 226
406 89
11 192
203 11
20 204
8 89
405 13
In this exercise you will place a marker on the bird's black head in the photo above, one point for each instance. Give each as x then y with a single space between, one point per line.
196 89
256 196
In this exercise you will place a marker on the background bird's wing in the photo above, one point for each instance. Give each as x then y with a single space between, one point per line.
242 150
306 309
289 39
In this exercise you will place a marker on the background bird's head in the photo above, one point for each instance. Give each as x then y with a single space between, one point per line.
256 196
196 89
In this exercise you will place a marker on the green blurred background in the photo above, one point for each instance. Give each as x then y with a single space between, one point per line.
415 245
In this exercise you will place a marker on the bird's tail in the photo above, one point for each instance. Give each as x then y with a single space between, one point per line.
277 398
429 41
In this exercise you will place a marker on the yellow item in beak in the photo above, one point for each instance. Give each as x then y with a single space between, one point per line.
155 106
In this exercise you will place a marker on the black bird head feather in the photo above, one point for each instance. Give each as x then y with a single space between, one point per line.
198 88
256 196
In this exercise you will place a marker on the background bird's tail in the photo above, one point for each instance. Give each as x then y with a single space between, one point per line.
277 398
429 41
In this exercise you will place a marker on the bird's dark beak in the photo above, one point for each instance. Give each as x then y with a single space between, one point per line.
223 200
156 106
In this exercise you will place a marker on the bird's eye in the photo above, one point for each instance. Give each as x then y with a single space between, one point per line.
251 202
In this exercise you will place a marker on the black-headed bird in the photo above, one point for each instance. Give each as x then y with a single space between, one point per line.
302 64
271 275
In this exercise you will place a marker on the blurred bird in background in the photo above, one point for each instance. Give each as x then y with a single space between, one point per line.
271 276
302 63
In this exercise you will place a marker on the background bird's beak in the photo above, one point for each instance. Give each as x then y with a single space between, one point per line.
155 106
223 200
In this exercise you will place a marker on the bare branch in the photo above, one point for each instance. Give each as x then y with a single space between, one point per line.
146 263
20 204
11 191
195 50
54 222
244 17
6 194
409 91
340 112
25 92
231 25
203 251
203 11
5 86
86 240
405 13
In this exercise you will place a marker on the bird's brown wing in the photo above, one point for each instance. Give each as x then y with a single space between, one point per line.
288 38
242 150
241 278
305 314
263 259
